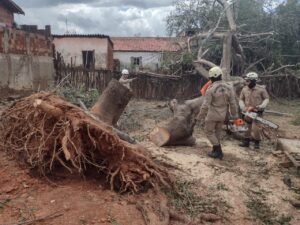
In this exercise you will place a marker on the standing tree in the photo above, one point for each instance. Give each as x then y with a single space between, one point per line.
244 26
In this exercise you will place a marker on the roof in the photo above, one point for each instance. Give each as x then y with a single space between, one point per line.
145 44
82 36
13 7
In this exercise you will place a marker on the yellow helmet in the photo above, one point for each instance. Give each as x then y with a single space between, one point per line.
215 72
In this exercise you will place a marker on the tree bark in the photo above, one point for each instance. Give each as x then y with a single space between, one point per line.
178 130
227 57
112 102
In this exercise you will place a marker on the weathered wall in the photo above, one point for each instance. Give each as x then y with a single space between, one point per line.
71 50
110 57
21 72
150 60
6 17
26 60
25 43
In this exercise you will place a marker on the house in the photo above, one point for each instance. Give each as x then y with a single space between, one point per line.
147 53
93 51
7 10
26 58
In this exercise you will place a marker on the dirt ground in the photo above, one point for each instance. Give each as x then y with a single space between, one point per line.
246 187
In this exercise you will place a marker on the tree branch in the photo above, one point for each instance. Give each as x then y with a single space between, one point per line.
283 67
253 64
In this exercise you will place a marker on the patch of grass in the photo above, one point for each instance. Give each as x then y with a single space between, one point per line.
184 198
296 121
4 203
89 97
284 220
260 210
222 187
114 222
83 221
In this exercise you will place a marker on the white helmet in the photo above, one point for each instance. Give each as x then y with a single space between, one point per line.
125 72
215 72
251 76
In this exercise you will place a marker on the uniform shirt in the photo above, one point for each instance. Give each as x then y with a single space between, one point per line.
125 82
254 97
219 97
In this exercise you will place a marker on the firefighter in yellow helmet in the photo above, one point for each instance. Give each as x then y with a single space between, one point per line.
253 98
218 100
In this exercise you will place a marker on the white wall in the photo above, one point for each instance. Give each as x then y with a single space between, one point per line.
150 60
72 48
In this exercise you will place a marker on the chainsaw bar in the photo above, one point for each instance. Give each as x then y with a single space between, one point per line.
265 122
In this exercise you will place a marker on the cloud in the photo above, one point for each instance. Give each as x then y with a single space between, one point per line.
130 18
145 4
47 3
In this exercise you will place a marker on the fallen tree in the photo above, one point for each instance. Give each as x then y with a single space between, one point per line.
179 129
47 133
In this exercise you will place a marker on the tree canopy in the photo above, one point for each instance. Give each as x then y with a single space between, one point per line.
282 18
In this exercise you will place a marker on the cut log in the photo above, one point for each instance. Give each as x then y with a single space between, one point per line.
178 130
122 135
112 102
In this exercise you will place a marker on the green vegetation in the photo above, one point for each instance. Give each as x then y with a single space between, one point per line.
3 203
252 17
260 210
296 121
88 97
185 198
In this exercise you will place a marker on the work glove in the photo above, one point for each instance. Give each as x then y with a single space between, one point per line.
260 108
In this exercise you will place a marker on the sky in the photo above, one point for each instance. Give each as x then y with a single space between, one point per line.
109 17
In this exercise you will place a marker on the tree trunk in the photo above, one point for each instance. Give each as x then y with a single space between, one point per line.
227 57
112 102
178 130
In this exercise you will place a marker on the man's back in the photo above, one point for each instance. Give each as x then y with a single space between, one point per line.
219 97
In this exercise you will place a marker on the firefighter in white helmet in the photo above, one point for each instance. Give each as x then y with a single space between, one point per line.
124 79
253 98
218 100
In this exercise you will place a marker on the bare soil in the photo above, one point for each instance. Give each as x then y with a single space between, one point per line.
246 187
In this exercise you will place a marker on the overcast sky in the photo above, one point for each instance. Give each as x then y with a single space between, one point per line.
110 17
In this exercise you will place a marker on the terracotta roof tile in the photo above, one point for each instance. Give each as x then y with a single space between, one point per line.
145 44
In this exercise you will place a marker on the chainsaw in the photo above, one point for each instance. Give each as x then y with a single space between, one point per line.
240 125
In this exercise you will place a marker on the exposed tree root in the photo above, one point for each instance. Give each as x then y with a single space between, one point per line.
47 132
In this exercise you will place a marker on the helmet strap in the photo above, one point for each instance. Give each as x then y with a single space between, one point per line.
214 79
252 84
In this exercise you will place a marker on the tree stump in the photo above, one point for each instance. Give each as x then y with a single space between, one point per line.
178 130
112 102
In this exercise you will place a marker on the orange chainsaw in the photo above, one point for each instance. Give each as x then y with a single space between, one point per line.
252 114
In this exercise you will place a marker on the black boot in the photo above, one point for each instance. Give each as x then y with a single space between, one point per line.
256 144
216 152
245 143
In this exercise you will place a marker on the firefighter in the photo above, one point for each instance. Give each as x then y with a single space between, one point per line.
253 98
218 99
124 79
